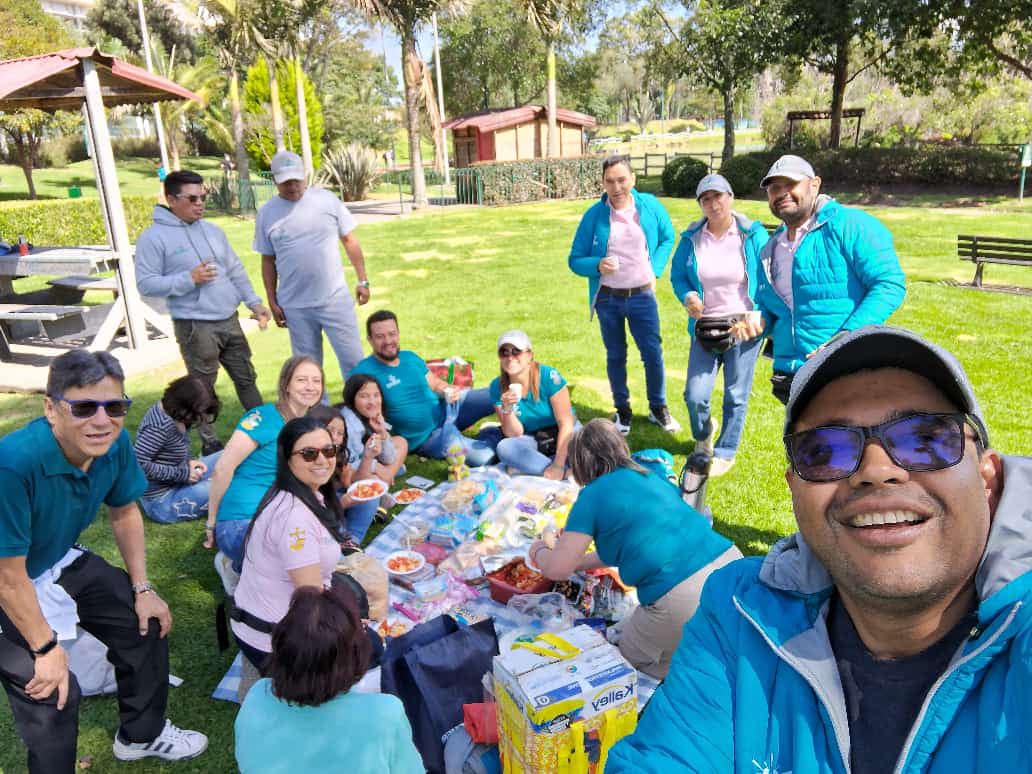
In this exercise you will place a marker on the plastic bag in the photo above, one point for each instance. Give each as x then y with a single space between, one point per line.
552 609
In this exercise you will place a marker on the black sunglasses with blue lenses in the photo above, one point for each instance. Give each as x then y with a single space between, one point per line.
83 409
917 442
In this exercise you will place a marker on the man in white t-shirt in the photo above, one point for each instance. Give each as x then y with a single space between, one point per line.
296 233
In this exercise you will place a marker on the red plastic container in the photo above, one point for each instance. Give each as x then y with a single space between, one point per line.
502 591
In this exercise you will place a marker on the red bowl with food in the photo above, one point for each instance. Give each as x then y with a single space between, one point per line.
516 578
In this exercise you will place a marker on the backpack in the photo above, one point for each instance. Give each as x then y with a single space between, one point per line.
658 461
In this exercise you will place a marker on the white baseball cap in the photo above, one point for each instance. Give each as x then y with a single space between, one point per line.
516 338
287 166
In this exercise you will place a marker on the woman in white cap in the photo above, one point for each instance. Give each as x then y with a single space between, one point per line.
714 274
532 402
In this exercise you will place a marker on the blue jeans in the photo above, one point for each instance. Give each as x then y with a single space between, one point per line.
359 516
337 320
521 452
183 503
470 408
229 537
641 315
739 363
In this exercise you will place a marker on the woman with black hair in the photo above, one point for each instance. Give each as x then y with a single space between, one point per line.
363 411
294 539
177 486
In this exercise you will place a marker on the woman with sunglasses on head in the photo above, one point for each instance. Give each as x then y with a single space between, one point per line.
358 514
533 405
641 526
295 536
363 411
247 466
177 485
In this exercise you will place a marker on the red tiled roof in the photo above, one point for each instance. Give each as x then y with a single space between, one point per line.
502 118
54 82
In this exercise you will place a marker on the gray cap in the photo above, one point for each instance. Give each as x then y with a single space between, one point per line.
793 167
882 346
713 183
287 166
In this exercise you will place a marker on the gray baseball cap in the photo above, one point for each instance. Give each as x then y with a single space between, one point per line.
793 167
287 166
713 183
883 346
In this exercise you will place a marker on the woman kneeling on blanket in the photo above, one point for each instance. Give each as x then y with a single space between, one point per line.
304 716
641 526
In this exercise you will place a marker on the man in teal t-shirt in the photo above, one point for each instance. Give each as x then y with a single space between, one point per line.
428 412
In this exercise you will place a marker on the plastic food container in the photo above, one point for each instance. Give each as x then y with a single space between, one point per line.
502 590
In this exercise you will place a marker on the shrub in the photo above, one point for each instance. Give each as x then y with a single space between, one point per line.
745 172
628 136
682 175
69 221
136 147
351 169
678 128
508 182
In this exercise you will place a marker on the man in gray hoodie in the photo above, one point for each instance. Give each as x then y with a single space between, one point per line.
189 262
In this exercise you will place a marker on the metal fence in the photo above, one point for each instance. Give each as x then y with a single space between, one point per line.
654 163
230 194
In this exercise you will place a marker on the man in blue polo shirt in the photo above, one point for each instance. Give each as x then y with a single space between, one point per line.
425 410
55 472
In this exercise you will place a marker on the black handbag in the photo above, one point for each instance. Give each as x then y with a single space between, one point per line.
547 440
714 333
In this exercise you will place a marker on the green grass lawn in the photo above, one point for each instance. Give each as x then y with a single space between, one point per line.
459 278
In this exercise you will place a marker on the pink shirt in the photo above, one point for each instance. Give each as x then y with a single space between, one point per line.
286 536
783 258
721 269
627 241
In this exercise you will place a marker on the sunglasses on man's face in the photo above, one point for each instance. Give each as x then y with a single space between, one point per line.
310 454
192 198
917 443
84 409
509 352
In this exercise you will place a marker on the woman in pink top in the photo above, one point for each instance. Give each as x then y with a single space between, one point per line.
294 541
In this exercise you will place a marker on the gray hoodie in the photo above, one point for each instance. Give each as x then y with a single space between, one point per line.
169 250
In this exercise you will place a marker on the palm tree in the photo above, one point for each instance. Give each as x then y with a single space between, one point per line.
234 38
546 16
202 78
406 16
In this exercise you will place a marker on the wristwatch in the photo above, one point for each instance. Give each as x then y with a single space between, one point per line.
46 647
363 284
142 588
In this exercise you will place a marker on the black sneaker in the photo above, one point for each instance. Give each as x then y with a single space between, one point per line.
660 415
622 419
210 446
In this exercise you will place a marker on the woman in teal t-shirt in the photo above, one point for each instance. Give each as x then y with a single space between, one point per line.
532 402
640 525
247 466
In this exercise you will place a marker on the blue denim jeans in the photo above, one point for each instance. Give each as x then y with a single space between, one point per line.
359 516
229 537
521 452
739 363
184 503
641 314
337 320
470 408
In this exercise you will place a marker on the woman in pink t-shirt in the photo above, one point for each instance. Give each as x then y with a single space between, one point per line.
294 541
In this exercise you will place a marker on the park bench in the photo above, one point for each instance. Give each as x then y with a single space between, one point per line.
56 321
71 289
987 249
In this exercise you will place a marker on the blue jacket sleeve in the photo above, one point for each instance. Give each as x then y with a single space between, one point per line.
581 260
679 278
869 248
688 724
667 235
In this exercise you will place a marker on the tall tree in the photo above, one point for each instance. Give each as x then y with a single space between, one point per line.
203 78
25 31
354 94
167 22
260 142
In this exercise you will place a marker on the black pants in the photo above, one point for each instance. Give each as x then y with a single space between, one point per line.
104 596
204 344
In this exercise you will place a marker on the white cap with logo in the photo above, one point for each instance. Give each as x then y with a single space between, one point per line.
789 166
287 166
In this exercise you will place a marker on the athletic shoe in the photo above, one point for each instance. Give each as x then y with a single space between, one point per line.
172 744
224 567
720 466
706 444
622 419
660 415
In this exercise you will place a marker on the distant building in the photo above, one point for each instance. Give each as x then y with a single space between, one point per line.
510 134
71 12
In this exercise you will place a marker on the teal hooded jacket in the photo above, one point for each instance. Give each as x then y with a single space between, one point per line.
754 687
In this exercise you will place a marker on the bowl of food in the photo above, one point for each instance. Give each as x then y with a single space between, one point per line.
404 564
516 578
367 489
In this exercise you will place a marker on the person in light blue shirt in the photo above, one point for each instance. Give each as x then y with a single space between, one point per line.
642 527
533 405
304 715
426 411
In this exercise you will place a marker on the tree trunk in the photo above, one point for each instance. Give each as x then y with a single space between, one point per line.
553 128
173 150
302 118
838 90
27 171
243 165
409 68
729 125
26 154
274 100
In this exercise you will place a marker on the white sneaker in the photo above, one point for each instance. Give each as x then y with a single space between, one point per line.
172 744
720 465
660 415
224 568
706 444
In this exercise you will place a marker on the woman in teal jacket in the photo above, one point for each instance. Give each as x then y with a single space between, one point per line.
754 686
714 274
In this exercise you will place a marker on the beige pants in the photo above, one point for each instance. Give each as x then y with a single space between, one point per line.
652 633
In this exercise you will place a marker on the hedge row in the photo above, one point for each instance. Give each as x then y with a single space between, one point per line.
69 221
509 182
980 167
